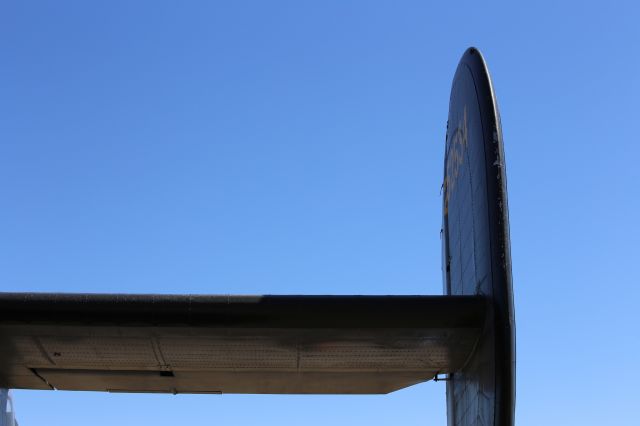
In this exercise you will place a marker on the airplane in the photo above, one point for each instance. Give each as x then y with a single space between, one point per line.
321 344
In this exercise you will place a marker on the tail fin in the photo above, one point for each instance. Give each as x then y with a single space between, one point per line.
476 253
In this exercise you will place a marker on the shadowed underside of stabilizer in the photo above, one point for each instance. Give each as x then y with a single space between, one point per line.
233 344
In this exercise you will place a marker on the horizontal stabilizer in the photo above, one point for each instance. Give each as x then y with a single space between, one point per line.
233 344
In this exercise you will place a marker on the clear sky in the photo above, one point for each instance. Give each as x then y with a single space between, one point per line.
297 147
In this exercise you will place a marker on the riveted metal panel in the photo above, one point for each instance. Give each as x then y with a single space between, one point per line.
233 344
476 254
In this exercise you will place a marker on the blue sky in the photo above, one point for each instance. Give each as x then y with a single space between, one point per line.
297 147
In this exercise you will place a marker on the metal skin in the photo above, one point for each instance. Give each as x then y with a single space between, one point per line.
476 252
233 344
